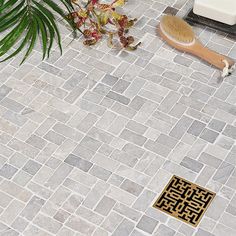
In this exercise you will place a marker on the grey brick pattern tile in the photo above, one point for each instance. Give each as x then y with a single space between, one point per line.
89 140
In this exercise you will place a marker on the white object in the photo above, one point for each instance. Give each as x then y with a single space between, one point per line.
227 70
220 10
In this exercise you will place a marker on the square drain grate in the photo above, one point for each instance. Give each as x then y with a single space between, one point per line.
184 200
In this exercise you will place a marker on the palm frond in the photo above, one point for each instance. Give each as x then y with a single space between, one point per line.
26 21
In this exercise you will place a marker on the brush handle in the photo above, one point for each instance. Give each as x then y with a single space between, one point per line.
210 56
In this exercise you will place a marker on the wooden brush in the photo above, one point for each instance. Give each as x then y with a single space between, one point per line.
179 34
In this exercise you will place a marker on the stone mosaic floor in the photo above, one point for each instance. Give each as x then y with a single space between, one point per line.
89 140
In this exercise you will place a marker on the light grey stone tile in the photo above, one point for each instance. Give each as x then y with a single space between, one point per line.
225 142
205 175
61 216
224 91
119 98
109 80
72 203
36 141
117 125
83 152
134 87
89 215
74 94
74 81
223 172
127 211
54 137
124 228
199 96
8 171
147 224
131 187
222 229
19 224
137 102
100 65
228 220
121 196
231 158
9 232
216 125
107 102
133 175
100 135
104 161
53 163
133 137
192 164
179 170
105 206
32 230
170 84
136 127
209 135
58 176
112 221
22 178
39 190
31 167
167 141
196 128
158 215
49 68
4 199
217 208
95 194
100 172
4 91
15 118
209 160
101 89
133 150
123 110
105 121
32 208
75 186
67 131
12 211
230 131
56 201
90 143
169 101
100 232
47 223
78 162
121 86
150 96
90 107
165 231
181 127
172 75
65 231
157 148
12 104
183 60
115 180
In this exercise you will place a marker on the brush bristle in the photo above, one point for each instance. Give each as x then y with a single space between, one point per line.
177 29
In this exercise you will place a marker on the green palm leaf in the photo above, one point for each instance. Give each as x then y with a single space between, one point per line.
23 22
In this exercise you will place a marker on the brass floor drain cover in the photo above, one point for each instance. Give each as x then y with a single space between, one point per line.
184 200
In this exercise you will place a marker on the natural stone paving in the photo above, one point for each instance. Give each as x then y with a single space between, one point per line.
89 140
